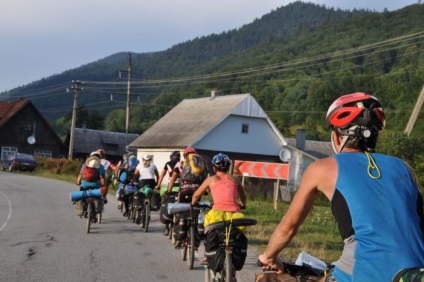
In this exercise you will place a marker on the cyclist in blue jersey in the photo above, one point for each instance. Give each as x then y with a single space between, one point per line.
374 198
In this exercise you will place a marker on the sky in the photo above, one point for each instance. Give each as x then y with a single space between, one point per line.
41 38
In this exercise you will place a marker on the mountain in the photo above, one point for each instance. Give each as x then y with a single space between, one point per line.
294 60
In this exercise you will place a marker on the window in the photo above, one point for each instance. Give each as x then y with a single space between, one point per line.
244 128
45 154
5 151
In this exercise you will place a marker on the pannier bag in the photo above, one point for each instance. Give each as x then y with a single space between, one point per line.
165 216
130 189
180 227
215 248
138 200
79 208
155 201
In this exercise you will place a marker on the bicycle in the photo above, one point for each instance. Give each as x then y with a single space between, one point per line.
192 241
226 273
145 211
129 191
89 208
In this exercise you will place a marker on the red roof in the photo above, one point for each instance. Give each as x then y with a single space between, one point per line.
10 108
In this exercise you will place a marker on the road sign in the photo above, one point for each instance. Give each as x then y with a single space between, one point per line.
262 169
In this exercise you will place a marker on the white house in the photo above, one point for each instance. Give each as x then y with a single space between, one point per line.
233 124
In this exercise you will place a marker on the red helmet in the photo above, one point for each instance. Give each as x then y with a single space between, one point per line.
101 152
189 150
356 109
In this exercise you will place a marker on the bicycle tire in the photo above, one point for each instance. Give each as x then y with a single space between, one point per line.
146 216
130 204
171 229
191 245
208 274
99 217
88 217
184 250
228 267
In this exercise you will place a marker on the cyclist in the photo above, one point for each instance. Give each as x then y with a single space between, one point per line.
374 198
187 188
146 173
92 174
168 169
225 190
109 168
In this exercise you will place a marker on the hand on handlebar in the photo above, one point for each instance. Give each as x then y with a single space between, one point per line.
276 265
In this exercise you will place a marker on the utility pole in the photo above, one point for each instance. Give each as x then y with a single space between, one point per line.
415 112
76 88
127 122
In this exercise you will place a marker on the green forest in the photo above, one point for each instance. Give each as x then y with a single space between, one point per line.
294 61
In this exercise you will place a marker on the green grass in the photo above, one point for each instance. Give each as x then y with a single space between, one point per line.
318 235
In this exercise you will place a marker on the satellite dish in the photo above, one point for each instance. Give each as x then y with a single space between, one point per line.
31 140
285 155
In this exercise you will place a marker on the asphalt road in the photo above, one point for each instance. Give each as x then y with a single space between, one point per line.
41 239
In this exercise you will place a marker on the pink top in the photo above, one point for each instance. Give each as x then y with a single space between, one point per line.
224 194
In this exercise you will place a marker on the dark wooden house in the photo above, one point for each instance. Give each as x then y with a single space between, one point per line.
23 129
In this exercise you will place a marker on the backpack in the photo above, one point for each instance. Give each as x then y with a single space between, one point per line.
194 169
90 174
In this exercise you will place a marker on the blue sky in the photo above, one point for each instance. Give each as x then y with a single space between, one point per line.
40 38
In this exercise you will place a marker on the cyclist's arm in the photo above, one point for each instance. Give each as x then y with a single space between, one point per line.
161 177
319 176
414 176
156 174
240 191
201 190
174 177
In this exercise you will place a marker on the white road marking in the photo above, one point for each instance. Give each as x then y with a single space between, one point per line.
9 215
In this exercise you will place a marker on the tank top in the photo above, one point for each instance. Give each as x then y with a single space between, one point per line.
224 194
378 217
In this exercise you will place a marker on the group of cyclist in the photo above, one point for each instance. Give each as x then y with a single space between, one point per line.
374 197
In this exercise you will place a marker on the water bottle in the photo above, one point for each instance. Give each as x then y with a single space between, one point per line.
201 217
200 221
306 258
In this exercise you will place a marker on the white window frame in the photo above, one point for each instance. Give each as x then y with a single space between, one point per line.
6 151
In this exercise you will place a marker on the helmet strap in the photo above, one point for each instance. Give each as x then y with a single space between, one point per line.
342 143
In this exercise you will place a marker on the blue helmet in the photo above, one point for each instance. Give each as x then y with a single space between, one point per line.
221 161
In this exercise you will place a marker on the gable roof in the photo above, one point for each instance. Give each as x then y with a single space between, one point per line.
89 140
191 119
317 149
10 108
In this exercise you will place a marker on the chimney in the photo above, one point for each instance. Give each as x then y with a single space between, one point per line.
214 93
301 139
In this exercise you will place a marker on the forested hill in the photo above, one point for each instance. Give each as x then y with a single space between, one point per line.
294 60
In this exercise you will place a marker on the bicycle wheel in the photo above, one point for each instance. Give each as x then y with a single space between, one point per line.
228 268
208 274
99 217
146 216
130 207
191 246
88 217
184 250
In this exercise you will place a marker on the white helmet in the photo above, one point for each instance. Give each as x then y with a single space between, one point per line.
147 157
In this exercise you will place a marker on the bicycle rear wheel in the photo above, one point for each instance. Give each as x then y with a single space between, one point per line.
184 250
88 217
146 216
228 268
191 246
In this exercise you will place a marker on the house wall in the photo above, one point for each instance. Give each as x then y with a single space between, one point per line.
228 137
16 132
